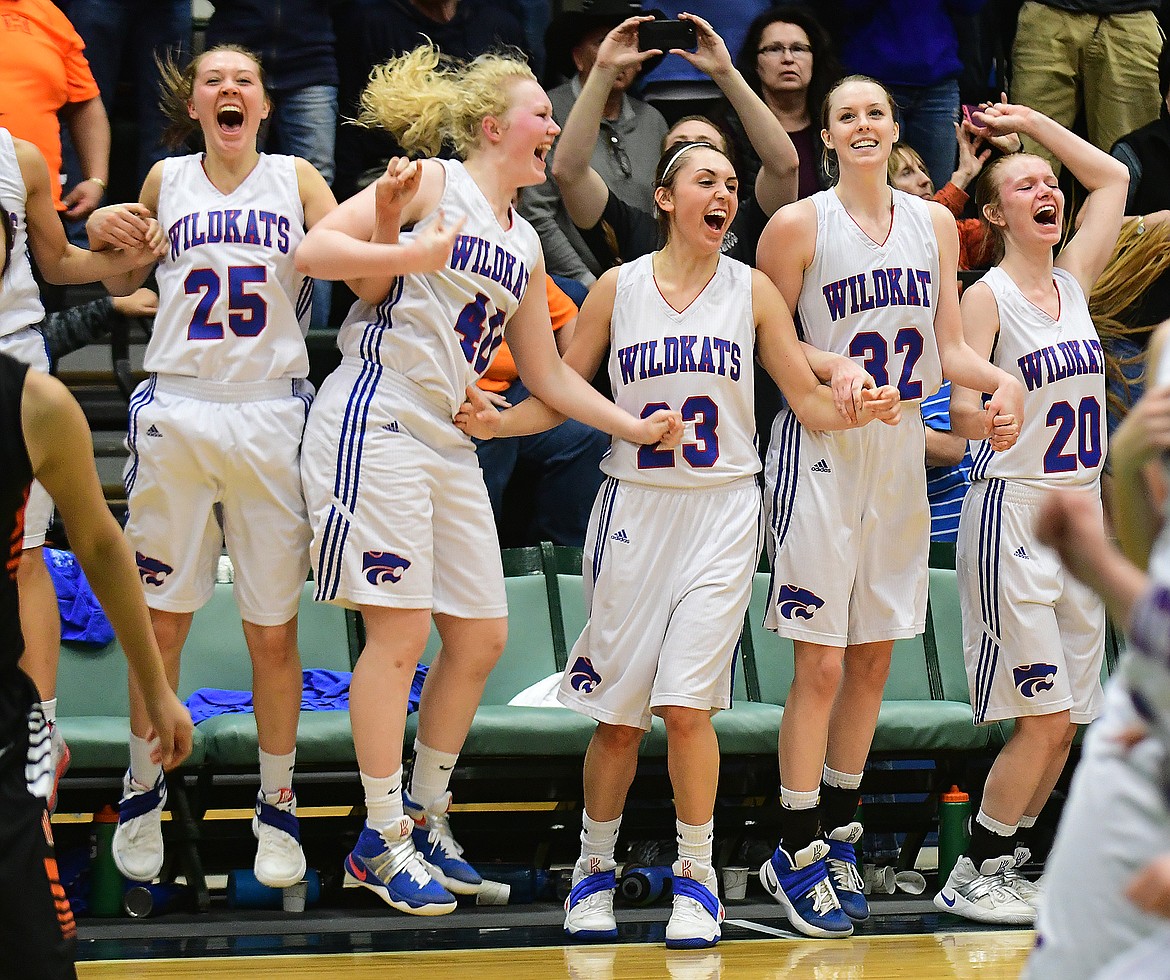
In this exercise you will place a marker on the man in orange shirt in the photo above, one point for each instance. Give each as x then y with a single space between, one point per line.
566 456
43 74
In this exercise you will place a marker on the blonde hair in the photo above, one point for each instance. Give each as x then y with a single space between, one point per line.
1138 260
899 153
425 98
177 85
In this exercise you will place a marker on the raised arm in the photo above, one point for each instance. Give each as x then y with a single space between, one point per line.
582 188
60 449
58 260
1105 178
776 182
358 241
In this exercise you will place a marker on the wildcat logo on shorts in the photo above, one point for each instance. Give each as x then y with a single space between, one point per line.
1031 679
151 570
383 566
584 677
797 603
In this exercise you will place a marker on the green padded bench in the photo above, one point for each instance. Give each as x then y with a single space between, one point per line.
93 710
918 716
216 655
535 649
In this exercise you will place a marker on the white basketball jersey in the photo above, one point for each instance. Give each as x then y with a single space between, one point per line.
1062 367
232 306
699 362
20 299
875 302
442 329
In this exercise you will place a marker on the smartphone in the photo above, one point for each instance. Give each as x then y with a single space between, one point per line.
969 110
667 34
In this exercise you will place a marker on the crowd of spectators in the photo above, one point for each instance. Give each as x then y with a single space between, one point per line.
756 84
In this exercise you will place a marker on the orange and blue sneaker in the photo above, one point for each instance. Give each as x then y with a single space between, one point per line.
392 869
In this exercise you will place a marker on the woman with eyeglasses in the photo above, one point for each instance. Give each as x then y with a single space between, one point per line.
787 59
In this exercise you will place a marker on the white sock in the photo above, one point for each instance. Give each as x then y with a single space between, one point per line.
1027 821
798 800
841 780
276 771
384 802
431 774
142 770
695 841
49 710
990 823
599 837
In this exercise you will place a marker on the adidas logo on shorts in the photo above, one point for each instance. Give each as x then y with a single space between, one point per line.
1021 553
620 536
153 432
391 426
821 466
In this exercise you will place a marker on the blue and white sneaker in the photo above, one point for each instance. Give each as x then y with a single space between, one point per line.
800 883
843 876
280 862
438 849
392 869
694 920
138 840
589 907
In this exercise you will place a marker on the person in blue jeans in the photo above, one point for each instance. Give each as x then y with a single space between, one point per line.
913 49
149 29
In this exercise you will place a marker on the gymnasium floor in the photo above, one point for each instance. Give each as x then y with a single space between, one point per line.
904 938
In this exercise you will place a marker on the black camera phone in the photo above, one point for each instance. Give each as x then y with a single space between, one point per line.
667 34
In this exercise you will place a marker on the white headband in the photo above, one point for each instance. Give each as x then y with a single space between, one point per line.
679 152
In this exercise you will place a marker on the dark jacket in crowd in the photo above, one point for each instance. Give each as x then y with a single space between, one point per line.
294 39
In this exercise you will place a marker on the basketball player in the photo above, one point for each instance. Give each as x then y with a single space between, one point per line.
43 435
666 593
1033 638
402 525
215 432
26 198
871 271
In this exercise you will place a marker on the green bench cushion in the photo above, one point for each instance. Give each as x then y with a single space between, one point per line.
100 742
324 739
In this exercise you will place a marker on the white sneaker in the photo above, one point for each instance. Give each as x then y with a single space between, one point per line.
1027 889
694 920
280 862
984 894
138 841
589 907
